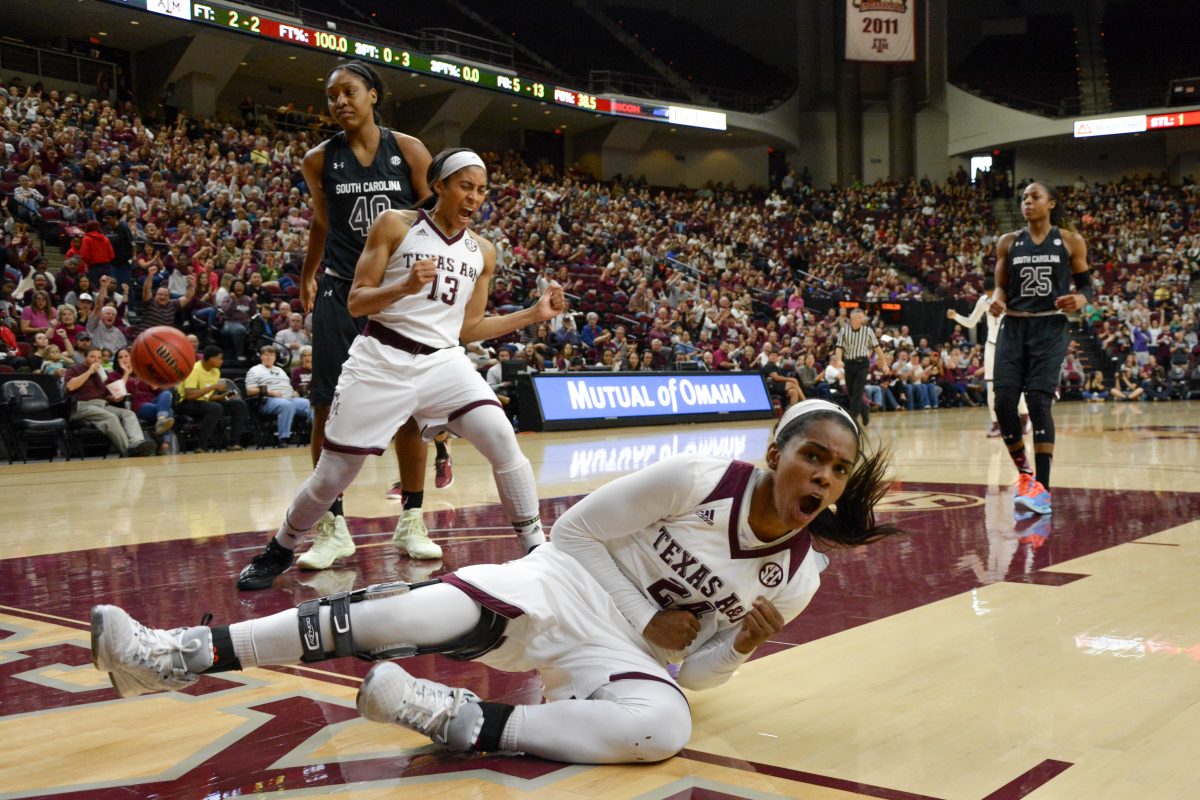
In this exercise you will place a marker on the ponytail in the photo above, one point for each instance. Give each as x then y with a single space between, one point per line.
851 522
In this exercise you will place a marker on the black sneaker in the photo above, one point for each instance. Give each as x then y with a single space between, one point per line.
265 568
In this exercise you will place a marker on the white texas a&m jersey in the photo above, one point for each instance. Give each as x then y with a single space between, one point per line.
699 553
433 316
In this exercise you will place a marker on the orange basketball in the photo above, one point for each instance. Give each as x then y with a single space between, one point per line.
162 356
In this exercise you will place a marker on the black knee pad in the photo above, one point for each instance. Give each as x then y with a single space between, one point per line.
1040 404
309 620
1008 398
487 634
1007 401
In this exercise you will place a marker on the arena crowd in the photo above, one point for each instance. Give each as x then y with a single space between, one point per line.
114 220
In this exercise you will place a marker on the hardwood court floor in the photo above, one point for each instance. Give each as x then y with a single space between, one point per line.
983 656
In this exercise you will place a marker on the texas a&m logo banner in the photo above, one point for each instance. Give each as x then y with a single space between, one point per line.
880 30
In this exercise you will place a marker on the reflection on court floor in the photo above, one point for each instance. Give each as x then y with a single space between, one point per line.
990 654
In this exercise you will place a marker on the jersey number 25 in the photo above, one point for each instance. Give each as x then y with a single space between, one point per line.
1035 280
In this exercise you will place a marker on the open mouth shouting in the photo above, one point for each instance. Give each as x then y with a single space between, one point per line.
808 506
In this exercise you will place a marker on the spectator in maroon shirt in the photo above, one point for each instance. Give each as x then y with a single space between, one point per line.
86 382
238 308
659 356
302 375
150 404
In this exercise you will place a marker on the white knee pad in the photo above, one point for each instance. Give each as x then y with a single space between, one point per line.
489 430
335 471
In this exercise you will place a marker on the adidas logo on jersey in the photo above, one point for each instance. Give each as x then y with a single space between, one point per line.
422 232
707 515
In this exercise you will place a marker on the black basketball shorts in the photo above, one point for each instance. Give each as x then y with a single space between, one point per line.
334 330
1030 353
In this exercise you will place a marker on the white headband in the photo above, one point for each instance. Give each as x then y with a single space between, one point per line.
461 159
809 407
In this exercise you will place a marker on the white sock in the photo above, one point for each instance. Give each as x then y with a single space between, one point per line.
512 730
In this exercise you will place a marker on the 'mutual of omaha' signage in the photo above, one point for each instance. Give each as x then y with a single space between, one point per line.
565 400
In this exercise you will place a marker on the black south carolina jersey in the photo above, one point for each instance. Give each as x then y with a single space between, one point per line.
355 195
1038 273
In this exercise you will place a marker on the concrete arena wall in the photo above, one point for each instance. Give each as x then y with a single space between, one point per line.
660 163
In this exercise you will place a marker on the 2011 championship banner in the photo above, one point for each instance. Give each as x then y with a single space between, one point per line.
881 30
608 399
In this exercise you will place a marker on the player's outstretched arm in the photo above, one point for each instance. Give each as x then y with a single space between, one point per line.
367 294
478 328
981 307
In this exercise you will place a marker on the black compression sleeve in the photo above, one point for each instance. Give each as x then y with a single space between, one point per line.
1083 283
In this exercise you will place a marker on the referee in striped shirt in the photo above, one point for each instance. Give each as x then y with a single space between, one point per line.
855 343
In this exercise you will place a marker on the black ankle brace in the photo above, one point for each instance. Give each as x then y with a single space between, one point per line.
495 717
224 659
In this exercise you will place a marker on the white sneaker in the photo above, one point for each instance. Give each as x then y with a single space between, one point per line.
141 660
412 537
389 694
333 542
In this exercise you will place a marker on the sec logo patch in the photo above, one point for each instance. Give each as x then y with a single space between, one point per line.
771 574
471 244
395 161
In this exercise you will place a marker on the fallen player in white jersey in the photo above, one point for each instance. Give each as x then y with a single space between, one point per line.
691 561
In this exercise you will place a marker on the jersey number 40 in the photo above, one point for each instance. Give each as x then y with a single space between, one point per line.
365 211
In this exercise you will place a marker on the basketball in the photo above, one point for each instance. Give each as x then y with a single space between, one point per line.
162 356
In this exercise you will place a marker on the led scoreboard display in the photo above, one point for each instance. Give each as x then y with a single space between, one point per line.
1136 123
256 23
1182 119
